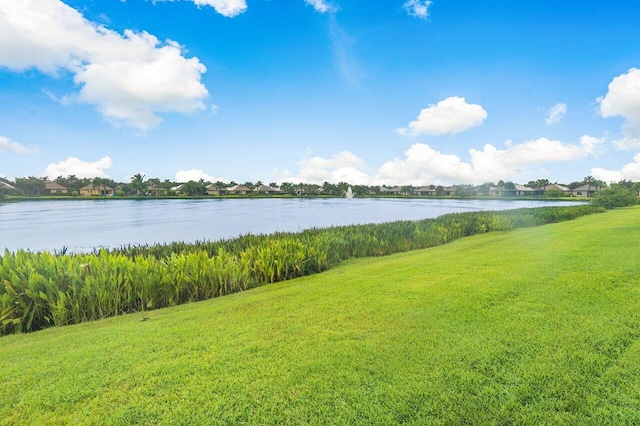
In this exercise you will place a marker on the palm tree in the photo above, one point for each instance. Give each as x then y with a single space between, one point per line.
589 180
137 183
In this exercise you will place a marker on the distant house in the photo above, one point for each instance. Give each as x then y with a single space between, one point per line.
584 191
178 189
449 190
238 190
216 190
156 190
425 190
7 186
521 190
396 190
266 190
52 188
556 187
96 190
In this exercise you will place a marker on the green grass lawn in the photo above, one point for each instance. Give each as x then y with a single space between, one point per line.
534 326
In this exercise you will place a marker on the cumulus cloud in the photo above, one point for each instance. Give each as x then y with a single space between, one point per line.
492 163
592 145
418 8
424 165
342 167
630 171
451 115
555 113
321 6
623 99
627 143
82 169
228 8
195 175
7 145
129 78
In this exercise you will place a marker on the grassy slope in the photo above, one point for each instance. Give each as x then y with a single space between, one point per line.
538 326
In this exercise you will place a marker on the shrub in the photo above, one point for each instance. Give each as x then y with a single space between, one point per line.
615 196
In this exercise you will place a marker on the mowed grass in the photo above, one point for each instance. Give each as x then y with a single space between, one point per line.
533 326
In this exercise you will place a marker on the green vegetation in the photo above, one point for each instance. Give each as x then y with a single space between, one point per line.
616 196
43 289
534 326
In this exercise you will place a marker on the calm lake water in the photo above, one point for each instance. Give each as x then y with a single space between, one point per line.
82 225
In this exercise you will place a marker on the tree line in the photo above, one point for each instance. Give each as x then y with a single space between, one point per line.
139 186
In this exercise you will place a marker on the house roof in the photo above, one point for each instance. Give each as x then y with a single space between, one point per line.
238 188
585 187
522 188
388 189
6 185
265 188
52 186
91 187
425 189
556 186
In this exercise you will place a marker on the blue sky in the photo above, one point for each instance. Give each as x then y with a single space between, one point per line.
397 92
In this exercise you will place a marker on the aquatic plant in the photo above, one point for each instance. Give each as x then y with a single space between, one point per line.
42 289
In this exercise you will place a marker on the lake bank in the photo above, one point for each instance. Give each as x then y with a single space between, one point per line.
96 223
503 327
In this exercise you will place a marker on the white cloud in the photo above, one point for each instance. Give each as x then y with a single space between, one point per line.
424 165
626 143
341 167
82 169
492 164
555 113
418 8
195 175
623 99
7 145
630 171
592 145
321 6
228 8
605 175
451 115
130 77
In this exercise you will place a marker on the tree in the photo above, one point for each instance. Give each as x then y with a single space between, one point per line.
589 181
195 188
137 183
31 186
615 196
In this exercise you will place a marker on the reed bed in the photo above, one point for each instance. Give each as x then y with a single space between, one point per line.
41 289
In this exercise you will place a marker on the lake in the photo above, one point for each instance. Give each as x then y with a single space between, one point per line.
82 225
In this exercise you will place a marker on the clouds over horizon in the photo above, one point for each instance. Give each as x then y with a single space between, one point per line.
423 165
623 99
195 175
449 116
129 78
80 168
341 167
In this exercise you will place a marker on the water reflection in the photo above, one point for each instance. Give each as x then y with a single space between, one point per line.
81 225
